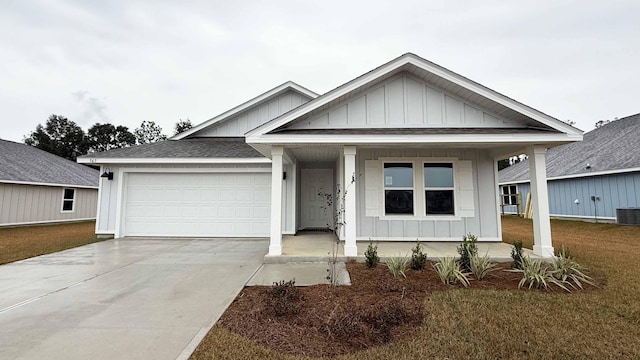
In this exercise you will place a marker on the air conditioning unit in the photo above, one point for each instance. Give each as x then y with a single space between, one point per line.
628 216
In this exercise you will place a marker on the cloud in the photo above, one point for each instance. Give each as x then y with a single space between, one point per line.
93 109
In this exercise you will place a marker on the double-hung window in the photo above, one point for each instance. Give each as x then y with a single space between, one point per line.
439 189
509 190
68 200
398 188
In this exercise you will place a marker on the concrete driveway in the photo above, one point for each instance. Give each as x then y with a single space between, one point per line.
121 299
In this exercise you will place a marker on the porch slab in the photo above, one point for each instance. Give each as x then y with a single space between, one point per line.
318 247
304 274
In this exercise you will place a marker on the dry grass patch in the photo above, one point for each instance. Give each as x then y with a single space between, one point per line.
20 243
484 323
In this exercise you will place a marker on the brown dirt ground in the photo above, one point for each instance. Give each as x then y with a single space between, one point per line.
18 243
376 309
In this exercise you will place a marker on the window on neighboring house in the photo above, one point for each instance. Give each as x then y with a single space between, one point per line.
68 200
398 188
438 189
509 190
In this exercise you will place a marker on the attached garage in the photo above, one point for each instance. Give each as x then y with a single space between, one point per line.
196 204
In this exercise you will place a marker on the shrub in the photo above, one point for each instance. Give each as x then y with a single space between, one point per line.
537 274
481 266
282 298
450 272
568 271
467 249
398 265
418 258
516 254
371 255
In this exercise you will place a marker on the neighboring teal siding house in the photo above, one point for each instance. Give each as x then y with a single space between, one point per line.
587 180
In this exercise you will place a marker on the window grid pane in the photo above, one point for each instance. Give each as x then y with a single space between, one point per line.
439 189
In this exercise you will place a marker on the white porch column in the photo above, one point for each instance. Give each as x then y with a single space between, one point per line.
540 201
275 245
350 248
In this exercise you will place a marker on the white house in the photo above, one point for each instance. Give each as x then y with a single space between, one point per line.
414 144
37 187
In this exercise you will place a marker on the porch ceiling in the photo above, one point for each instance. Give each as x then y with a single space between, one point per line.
315 154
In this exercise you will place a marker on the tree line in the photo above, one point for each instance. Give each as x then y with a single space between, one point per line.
65 138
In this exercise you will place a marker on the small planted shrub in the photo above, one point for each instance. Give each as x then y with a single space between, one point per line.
371 255
568 271
450 271
418 258
481 266
398 265
537 274
282 298
467 249
516 254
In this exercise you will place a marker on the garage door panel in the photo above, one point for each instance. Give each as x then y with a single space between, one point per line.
261 212
203 204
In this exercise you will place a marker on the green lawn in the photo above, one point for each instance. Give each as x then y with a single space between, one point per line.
19 243
473 323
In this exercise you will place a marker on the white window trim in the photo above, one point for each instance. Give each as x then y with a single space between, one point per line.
453 187
509 187
419 201
73 201
413 188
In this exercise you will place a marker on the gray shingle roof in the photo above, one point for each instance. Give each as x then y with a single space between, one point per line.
185 148
20 162
614 146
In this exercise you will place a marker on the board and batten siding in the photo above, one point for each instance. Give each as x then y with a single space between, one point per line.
483 224
32 204
404 102
615 191
254 117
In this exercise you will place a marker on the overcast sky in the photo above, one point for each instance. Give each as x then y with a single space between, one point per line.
127 61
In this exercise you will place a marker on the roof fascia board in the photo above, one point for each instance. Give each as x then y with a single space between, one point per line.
581 175
425 65
47 184
405 139
246 105
88 160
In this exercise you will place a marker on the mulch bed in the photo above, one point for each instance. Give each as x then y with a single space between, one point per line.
329 321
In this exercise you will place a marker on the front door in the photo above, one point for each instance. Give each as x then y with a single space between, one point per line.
316 212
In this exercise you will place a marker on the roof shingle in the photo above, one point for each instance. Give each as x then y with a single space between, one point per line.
20 162
185 148
614 146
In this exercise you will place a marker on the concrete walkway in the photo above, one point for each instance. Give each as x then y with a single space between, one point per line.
121 299
317 247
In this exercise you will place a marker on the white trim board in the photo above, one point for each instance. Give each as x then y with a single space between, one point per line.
423 238
248 104
416 61
47 184
464 139
47 222
90 160
573 176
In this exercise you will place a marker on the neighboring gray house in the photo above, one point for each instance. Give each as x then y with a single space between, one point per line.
590 179
37 187
420 141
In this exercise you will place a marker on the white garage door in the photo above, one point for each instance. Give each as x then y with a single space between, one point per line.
197 204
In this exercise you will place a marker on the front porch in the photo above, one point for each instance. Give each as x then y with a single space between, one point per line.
362 200
317 247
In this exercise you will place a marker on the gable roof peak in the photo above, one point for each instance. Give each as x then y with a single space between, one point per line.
266 96
427 70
